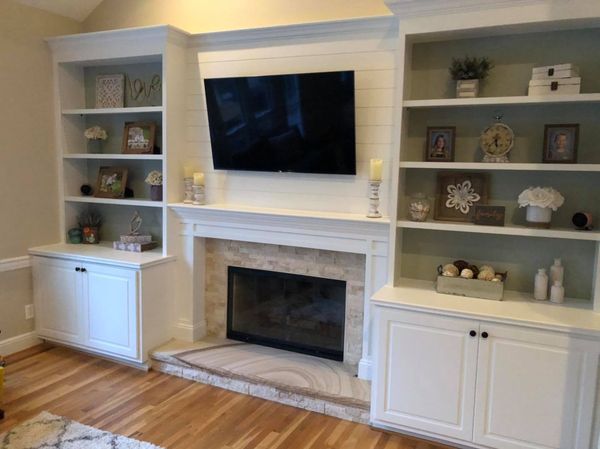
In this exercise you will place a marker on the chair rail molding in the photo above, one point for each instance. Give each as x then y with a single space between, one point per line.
14 263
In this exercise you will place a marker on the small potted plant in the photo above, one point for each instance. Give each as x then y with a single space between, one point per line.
90 223
540 202
468 72
154 179
95 135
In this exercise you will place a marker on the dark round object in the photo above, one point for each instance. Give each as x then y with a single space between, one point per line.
581 220
475 270
86 190
473 334
484 335
461 264
128 193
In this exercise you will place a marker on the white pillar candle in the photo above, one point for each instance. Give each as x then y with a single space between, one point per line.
188 171
198 179
375 170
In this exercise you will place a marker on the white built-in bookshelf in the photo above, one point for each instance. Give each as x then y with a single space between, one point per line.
427 99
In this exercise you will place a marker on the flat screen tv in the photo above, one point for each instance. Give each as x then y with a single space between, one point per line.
300 123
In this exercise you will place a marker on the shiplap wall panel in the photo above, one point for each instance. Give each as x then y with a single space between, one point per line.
370 53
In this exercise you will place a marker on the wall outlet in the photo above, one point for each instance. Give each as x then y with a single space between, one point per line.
29 311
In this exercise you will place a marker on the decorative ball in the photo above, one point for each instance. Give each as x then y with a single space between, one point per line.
461 264
499 277
496 280
474 269
450 270
86 190
487 268
466 273
486 275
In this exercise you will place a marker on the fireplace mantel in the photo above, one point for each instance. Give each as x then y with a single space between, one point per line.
344 232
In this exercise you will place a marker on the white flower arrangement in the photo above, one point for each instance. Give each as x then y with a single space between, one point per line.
544 197
95 133
154 178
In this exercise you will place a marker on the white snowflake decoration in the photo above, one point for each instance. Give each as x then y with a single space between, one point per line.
462 196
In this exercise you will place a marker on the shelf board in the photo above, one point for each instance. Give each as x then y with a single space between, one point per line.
500 166
516 307
94 111
116 201
513 100
135 157
524 231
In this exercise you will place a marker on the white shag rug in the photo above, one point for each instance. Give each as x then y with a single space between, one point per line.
48 431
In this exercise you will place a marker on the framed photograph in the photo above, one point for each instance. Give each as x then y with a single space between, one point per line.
110 91
560 143
111 182
440 144
458 194
138 138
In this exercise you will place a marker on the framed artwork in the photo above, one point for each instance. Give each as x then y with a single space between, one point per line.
111 182
560 143
138 138
458 193
110 91
440 144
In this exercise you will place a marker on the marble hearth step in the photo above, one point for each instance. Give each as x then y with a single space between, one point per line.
299 380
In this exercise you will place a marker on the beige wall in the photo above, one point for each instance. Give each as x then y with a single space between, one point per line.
197 16
28 186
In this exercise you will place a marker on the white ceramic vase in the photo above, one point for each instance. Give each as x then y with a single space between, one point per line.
539 217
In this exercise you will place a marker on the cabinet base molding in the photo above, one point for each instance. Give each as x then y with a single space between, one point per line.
184 330
19 343
365 368
460 444
142 366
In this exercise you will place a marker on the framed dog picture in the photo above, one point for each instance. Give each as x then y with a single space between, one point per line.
440 144
560 143
458 194
138 138
111 182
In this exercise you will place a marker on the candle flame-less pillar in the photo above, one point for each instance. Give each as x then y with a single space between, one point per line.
188 183
198 188
375 172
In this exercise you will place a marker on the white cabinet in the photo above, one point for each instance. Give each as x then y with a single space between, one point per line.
484 384
535 389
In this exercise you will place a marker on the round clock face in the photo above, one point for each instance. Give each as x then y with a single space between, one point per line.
497 140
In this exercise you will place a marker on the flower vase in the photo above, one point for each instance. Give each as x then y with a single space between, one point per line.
94 146
91 235
538 217
467 88
156 193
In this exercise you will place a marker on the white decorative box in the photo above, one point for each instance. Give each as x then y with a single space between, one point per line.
560 86
555 72
474 288
134 247
136 238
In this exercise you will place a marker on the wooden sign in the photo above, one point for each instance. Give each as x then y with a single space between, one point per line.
489 215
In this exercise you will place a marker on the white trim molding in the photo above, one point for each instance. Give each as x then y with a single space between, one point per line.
15 263
407 8
19 343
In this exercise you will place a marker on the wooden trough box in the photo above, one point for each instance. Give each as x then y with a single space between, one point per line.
474 288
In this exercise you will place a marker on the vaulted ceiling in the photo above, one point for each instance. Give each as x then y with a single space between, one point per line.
75 9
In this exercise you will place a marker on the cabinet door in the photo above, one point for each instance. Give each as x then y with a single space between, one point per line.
111 309
425 375
57 297
535 389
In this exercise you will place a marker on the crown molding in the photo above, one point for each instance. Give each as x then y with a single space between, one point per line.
409 8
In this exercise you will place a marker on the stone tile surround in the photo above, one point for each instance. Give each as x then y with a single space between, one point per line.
303 261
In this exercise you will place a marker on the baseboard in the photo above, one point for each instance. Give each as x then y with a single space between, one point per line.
185 331
365 368
19 343
15 263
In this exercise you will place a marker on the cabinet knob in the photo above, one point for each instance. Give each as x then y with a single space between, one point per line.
484 335
77 269
83 270
473 333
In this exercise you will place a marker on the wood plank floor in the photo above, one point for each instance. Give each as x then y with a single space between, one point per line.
173 412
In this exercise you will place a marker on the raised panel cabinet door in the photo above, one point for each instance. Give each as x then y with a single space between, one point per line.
111 309
57 298
535 389
426 367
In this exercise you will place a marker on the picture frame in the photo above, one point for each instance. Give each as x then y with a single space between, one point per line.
439 144
110 91
138 138
111 182
458 194
560 143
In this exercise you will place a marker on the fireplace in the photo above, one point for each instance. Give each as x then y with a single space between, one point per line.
295 312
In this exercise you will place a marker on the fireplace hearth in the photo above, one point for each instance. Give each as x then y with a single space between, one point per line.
299 313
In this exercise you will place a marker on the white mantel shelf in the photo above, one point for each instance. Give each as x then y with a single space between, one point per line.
309 229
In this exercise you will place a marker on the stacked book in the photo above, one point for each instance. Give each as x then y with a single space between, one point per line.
561 79
135 243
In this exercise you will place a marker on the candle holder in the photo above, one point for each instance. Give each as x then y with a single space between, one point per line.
199 197
374 199
188 191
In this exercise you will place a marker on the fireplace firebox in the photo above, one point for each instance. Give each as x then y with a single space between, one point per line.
299 313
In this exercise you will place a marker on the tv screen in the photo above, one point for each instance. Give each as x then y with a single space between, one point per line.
300 123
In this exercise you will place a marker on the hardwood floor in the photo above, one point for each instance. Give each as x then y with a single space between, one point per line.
172 412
